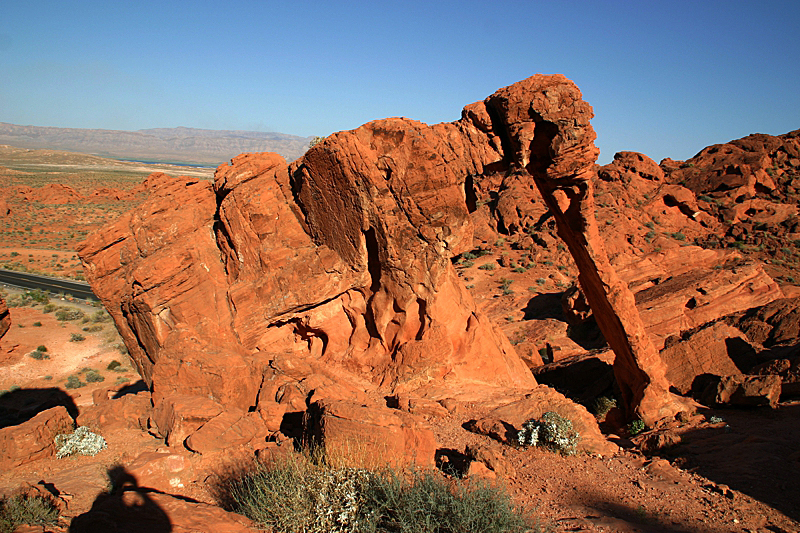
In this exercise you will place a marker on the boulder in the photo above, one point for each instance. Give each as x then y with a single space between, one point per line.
177 417
169 472
505 421
228 430
743 390
491 458
34 439
361 435
129 411
777 323
715 349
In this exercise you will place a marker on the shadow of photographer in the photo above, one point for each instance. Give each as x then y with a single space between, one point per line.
127 508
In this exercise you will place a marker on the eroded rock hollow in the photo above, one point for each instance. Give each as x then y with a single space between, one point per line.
330 278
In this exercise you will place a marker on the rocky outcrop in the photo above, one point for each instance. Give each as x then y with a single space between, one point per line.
54 193
552 140
679 289
710 350
331 278
504 422
742 390
33 439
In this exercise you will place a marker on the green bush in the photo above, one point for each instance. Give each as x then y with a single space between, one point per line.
37 324
113 365
486 266
65 314
553 432
302 494
602 405
42 348
93 376
74 382
38 355
100 316
76 337
636 427
26 509
49 308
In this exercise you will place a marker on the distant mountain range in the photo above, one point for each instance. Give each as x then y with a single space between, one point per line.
174 145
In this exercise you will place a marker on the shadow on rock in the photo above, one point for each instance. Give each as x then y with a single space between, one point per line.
128 508
133 388
755 452
21 405
544 306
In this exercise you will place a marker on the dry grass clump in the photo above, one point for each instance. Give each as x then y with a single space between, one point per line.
304 492
26 509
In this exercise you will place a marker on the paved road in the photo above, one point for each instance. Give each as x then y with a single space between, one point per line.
54 285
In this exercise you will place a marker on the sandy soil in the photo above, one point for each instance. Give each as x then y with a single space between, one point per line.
66 357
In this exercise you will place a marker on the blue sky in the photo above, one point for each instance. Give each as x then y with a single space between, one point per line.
666 79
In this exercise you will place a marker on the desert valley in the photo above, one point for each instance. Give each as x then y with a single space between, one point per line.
417 297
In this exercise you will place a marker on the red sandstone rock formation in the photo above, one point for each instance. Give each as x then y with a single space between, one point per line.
331 277
551 139
54 193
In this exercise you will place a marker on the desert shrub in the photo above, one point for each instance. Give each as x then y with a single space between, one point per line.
93 376
315 141
76 337
602 405
26 509
113 365
38 296
298 493
38 355
37 324
74 382
65 314
81 441
553 432
486 266
49 308
93 328
636 427
42 348
100 316
121 348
